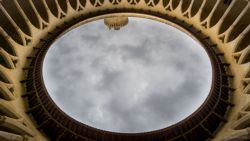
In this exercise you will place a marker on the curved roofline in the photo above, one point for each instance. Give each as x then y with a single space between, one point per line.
201 124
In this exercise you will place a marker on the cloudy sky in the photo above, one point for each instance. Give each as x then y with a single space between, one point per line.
144 77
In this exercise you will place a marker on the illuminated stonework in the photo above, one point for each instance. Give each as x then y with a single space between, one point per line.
28 27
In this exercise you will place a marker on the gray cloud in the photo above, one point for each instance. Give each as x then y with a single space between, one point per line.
143 77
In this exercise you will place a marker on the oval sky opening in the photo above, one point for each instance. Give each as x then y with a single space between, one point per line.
144 77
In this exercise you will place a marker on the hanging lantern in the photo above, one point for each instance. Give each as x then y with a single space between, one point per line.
116 22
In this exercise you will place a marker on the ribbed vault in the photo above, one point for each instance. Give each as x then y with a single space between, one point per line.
28 27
